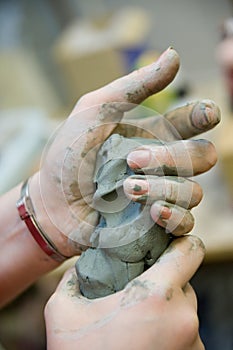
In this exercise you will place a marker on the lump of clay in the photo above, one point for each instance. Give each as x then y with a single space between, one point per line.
126 241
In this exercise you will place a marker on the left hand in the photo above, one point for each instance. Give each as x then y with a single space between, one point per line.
62 191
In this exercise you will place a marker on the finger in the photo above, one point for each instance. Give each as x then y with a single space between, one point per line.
182 158
173 218
138 85
178 264
183 122
194 118
176 190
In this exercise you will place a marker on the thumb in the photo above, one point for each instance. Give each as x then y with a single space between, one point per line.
178 263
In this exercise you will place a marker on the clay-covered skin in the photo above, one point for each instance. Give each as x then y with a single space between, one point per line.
126 241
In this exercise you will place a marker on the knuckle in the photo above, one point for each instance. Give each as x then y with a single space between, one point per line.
163 293
85 99
191 325
171 192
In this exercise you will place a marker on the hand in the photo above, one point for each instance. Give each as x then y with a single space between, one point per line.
63 203
157 310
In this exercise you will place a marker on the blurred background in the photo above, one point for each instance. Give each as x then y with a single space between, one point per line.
52 52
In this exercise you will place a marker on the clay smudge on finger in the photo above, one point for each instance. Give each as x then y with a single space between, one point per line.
163 170
142 199
178 179
137 188
57 179
74 189
153 78
83 154
110 112
136 95
169 294
195 244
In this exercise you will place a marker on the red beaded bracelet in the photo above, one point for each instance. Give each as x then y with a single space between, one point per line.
27 214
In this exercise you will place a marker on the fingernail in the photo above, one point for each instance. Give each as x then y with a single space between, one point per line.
165 213
170 50
139 159
136 186
205 114
212 112
161 212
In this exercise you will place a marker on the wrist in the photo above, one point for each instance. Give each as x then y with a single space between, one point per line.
61 242
22 261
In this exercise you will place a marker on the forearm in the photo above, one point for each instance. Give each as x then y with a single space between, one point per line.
22 261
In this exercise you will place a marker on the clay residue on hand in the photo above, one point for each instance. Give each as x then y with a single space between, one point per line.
135 292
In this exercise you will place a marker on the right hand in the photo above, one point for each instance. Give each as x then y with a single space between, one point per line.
157 310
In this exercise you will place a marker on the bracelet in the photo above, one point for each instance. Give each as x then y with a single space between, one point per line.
27 214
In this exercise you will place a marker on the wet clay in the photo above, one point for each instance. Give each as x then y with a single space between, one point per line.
126 241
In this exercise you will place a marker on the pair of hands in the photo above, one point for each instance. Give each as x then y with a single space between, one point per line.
158 309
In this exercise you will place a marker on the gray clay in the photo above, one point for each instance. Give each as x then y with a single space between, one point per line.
126 241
